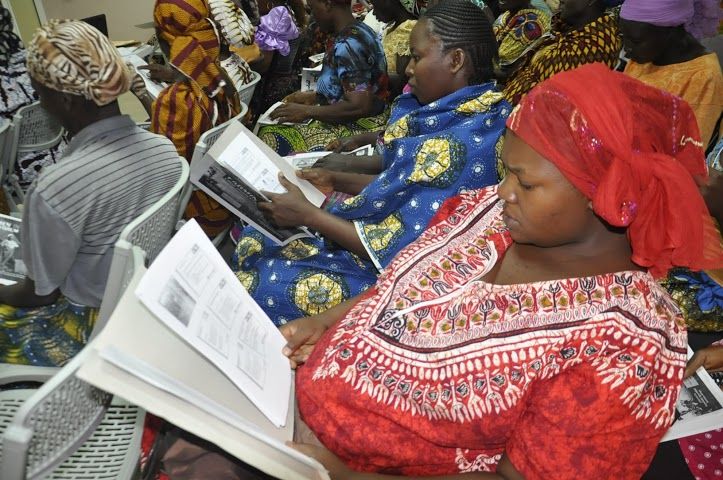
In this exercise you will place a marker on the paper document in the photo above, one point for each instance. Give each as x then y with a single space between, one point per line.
309 159
699 408
265 118
245 155
239 198
190 288
309 77
164 375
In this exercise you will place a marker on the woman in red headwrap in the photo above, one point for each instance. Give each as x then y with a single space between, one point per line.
524 303
524 334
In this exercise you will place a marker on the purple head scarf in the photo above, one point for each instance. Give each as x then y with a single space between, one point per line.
275 31
700 17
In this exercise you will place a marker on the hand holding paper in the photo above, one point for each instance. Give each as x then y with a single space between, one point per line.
290 209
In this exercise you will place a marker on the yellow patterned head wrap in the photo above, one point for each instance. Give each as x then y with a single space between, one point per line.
194 47
73 57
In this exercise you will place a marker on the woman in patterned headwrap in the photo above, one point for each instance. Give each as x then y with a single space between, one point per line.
201 95
518 30
110 173
583 32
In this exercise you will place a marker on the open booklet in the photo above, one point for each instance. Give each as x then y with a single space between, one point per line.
188 344
235 172
12 266
699 408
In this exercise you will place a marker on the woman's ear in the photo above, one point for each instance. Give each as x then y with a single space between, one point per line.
457 60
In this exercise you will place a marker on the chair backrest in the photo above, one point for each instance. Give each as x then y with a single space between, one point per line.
205 142
152 230
5 161
209 137
58 418
127 258
33 129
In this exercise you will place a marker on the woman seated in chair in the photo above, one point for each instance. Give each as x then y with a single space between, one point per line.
202 94
662 40
109 174
583 32
523 303
442 139
351 92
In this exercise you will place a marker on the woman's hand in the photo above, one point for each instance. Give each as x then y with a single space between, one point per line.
335 161
301 336
304 98
290 113
161 73
710 358
319 177
337 469
289 209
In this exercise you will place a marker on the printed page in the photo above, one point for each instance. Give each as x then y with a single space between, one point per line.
240 199
190 288
247 157
699 408
309 159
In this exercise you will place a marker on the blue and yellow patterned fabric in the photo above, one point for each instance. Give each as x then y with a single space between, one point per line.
430 153
355 62
46 336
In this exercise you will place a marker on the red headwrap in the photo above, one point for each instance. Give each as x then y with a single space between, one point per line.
634 150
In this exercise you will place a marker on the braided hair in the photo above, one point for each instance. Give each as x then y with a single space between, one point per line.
461 24
9 42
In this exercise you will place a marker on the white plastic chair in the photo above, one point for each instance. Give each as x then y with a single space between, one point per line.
204 144
68 429
32 129
150 232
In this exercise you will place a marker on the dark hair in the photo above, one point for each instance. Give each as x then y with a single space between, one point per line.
461 24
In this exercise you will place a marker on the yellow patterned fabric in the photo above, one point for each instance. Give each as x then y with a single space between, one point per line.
699 82
194 46
46 336
567 49
396 42
74 57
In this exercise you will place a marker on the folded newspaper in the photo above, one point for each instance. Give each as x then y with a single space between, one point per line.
699 408
236 171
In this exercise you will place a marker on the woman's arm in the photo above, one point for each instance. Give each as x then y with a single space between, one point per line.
303 333
352 106
327 180
367 164
22 294
292 209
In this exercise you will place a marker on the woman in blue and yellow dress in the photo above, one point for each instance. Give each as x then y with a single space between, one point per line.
442 138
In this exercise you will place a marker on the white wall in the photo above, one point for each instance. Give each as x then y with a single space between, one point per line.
122 15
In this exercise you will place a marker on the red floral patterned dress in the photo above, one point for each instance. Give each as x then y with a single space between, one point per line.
438 372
